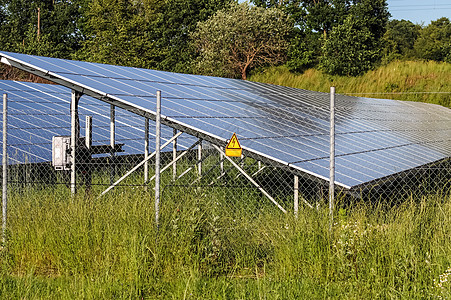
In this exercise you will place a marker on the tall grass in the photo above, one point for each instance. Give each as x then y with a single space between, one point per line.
403 80
210 245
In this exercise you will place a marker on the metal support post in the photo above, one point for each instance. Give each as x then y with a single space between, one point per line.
332 158
221 157
5 168
137 166
199 159
112 141
88 156
296 196
174 156
74 137
157 158
146 150
88 130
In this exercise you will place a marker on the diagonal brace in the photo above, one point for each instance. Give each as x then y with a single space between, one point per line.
250 179
177 159
139 165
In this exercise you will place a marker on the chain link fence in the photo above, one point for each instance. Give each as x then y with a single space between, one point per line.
114 156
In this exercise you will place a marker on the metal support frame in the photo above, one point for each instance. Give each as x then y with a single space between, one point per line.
296 196
184 173
146 149
138 166
332 158
157 158
174 156
88 132
199 159
88 144
222 158
114 100
224 172
74 138
251 180
5 168
112 141
239 174
177 158
203 172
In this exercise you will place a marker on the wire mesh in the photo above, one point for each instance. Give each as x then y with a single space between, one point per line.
33 124
209 202
222 197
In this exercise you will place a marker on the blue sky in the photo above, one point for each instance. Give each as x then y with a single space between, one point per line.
418 11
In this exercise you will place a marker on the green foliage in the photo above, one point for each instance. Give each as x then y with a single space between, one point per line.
59 34
239 38
354 46
349 50
117 33
323 15
434 41
311 15
359 22
145 33
402 80
149 33
399 40
303 51
313 21
177 19
83 248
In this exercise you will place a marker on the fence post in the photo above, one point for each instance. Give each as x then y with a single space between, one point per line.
146 151
157 158
74 137
174 156
5 168
112 142
88 156
296 196
199 159
221 157
332 158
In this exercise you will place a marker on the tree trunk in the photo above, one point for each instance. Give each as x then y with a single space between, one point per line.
243 73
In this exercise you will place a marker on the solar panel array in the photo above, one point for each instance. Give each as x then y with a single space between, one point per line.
375 138
37 112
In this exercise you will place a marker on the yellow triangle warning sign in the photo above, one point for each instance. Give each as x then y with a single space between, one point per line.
233 148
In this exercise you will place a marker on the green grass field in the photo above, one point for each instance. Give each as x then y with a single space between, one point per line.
61 247
403 80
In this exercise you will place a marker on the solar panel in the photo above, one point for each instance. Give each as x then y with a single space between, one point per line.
375 138
37 112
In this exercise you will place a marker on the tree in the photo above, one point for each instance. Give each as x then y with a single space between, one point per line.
399 39
58 33
434 41
311 15
144 33
316 19
118 32
303 51
354 46
177 19
239 38
349 50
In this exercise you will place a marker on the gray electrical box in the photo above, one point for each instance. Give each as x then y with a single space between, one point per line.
60 152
